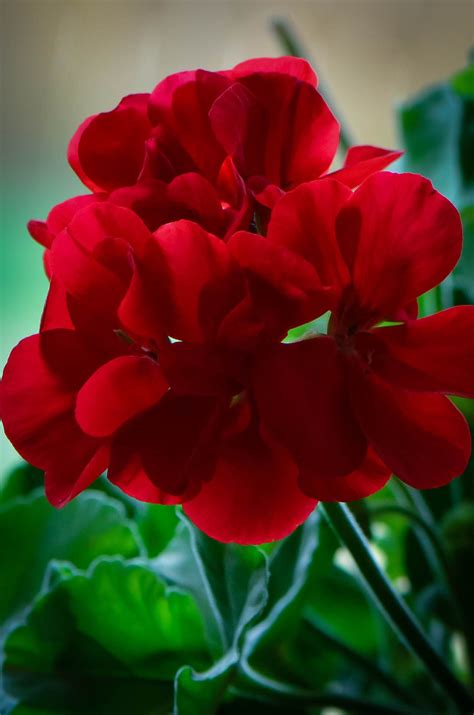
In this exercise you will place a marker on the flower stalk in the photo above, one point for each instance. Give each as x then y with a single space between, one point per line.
393 607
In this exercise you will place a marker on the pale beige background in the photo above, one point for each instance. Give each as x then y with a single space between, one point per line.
65 59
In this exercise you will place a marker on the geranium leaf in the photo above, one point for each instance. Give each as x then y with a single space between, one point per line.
91 526
116 627
230 584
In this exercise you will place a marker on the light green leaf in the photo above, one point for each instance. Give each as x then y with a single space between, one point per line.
430 132
289 567
116 627
157 525
230 584
92 525
464 271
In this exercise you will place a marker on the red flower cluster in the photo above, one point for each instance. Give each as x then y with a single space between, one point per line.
164 353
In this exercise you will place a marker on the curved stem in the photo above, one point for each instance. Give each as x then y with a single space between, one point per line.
369 666
292 45
379 509
282 691
402 620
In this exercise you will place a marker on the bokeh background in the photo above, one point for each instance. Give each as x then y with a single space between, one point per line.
65 59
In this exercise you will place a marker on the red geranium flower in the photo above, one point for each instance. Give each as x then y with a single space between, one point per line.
203 144
330 398
161 358
106 384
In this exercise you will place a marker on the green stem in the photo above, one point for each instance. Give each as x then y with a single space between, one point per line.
293 46
282 692
428 530
425 529
402 620
377 673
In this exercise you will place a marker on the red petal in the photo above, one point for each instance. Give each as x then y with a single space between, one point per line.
105 220
435 354
239 123
61 215
361 162
253 496
202 369
189 120
277 127
56 313
85 277
146 309
285 288
70 356
38 230
147 199
91 256
130 476
401 238
305 222
371 476
293 66
205 280
196 199
265 193
63 483
236 201
422 438
107 151
314 137
161 99
37 409
302 396
117 392
173 444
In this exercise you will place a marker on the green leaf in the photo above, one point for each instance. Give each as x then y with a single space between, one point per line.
437 132
117 628
19 482
230 584
458 537
289 568
203 692
157 525
430 131
463 82
464 271
333 585
92 525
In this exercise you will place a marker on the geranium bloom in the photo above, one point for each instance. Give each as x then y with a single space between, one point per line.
145 366
204 144
330 398
104 386
161 358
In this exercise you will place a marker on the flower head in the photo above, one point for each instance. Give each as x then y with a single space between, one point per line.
165 352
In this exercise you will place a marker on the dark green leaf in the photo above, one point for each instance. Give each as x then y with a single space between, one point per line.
203 692
230 584
20 481
92 525
430 130
114 628
464 271
157 525
289 567
463 82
